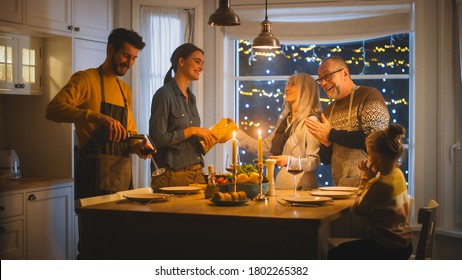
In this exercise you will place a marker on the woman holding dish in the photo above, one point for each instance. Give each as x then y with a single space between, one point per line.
291 137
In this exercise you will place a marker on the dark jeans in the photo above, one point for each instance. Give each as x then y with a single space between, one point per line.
367 249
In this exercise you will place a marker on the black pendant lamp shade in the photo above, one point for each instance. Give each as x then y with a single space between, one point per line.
224 16
266 39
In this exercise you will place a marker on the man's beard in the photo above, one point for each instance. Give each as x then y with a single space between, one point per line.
115 68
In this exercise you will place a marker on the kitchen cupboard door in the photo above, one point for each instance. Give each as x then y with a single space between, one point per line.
11 11
49 14
12 240
49 224
93 18
88 54
20 64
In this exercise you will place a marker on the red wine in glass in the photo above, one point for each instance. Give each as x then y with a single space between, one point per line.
294 167
294 172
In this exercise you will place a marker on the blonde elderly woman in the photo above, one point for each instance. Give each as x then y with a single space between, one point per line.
291 137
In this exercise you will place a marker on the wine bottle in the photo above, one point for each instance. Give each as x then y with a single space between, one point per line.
133 136
211 185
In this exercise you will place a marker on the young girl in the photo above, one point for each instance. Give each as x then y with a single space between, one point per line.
383 199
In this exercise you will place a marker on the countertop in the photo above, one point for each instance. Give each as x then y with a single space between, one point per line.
32 183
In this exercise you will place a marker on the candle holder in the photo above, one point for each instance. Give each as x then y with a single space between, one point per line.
270 164
260 196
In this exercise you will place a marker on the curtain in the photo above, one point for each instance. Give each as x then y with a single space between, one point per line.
333 21
163 29
458 24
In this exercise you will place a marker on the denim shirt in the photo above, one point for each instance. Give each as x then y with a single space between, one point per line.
170 115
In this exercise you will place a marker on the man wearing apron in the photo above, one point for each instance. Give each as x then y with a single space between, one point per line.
99 105
346 122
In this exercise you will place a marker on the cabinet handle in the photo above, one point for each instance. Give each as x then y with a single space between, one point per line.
2 207
70 27
77 29
17 85
31 197
22 85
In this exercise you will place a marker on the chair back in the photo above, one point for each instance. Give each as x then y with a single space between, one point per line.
411 207
426 217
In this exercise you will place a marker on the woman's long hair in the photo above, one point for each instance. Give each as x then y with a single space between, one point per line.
183 51
307 99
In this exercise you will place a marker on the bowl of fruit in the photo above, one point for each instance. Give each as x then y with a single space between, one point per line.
247 181
221 182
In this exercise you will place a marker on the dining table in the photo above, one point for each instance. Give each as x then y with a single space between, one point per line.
192 227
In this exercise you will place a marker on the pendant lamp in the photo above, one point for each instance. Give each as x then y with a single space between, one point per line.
224 16
265 39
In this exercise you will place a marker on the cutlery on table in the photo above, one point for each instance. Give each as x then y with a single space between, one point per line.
288 204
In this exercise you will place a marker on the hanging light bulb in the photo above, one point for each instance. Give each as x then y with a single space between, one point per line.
266 39
224 16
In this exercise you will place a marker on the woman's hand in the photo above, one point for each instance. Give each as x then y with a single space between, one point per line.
281 160
203 133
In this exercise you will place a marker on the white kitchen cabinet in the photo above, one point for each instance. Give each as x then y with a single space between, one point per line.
93 18
86 18
12 226
11 11
37 220
88 54
20 64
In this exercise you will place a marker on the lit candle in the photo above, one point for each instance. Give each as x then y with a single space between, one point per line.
260 152
234 154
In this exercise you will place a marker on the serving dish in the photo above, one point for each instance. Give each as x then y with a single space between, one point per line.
229 202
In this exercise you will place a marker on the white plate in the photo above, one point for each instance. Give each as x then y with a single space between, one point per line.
147 197
333 194
339 188
180 189
307 199
202 186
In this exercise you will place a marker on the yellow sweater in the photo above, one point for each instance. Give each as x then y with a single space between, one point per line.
385 203
80 99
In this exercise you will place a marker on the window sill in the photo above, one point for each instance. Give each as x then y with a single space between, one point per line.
455 233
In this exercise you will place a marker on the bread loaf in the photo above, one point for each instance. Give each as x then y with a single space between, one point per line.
232 196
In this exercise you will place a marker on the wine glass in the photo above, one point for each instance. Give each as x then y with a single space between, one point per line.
157 171
294 167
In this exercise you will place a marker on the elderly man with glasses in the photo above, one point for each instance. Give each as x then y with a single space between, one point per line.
355 112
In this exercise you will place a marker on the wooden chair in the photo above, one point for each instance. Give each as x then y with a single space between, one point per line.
427 218
335 241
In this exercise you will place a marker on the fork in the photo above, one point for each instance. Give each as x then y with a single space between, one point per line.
289 204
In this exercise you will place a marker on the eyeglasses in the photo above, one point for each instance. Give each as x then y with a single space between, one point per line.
328 77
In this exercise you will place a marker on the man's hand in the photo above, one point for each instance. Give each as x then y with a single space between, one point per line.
116 130
320 130
143 149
